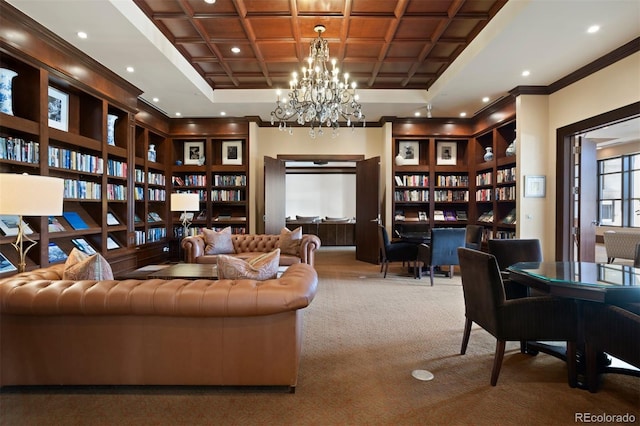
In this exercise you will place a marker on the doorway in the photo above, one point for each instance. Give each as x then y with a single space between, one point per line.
576 191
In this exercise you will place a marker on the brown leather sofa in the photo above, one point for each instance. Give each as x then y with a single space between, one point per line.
152 332
250 245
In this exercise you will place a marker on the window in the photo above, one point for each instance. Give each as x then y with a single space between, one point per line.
619 191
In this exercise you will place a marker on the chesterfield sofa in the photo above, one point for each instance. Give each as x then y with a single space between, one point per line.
152 332
249 245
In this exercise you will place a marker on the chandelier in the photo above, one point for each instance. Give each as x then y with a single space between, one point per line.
319 97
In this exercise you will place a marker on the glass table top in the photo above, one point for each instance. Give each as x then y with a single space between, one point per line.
598 275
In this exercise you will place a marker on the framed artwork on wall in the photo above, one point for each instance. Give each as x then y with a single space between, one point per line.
232 152
535 186
446 154
194 153
58 106
410 152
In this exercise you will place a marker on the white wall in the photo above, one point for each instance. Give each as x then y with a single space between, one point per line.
325 194
616 86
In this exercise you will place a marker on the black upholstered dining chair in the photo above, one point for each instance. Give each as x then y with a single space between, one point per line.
441 250
511 251
613 330
474 236
398 251
534 318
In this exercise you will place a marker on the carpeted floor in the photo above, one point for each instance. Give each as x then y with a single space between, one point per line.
363 337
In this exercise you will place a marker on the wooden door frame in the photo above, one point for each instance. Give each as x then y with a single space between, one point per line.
564 165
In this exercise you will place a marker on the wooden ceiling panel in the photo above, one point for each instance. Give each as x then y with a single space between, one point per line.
373 7
381 43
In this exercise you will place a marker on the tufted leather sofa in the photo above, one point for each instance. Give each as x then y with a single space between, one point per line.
152 332
250 245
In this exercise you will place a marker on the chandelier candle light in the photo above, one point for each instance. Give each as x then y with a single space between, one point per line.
319 97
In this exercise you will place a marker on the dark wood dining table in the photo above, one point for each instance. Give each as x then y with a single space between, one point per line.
585 282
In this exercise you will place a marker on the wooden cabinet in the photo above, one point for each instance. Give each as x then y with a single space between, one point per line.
218 173
449 183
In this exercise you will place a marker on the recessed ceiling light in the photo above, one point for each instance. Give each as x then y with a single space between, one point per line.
178 114
463 114
235 49
525 73
210 1
222 113
130 69
593 29
485 99
82 34
156 100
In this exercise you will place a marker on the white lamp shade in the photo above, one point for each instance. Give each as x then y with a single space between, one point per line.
31 195
183 202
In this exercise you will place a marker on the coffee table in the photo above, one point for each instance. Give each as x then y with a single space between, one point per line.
189 271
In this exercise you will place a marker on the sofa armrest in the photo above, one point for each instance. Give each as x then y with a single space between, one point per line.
193 247
308 245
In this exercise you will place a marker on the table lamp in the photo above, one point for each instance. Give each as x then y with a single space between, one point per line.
184 202
29 195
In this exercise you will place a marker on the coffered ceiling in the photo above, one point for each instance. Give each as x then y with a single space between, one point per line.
384 44
404 54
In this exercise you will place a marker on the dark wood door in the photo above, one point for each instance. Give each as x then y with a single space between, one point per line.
367 209
588 200
275 172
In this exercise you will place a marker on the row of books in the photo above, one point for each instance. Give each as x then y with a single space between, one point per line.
450 195
190 180
18 149
483 195
452 180
153 178
82 190
116 192
506 193
412 180
484 178
506 175
229 180
63 158
450 215
412 195
116 168
227 195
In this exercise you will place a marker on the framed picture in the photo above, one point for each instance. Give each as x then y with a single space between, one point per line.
410 152
535 186
232 152
194 153
9 225
58 109
6 265
446 154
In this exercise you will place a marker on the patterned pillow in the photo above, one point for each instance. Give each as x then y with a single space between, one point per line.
289 241
259 268
218 242
81 266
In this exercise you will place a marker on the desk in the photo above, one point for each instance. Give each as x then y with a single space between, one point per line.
585 282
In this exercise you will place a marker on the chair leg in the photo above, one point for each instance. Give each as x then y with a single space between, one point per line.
431 271
450 271
591 356
465 336
497 361
572 362
386 266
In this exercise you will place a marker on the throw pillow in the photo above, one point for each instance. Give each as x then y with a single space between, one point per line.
218 242
308 219
260 268
85 267
289 241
